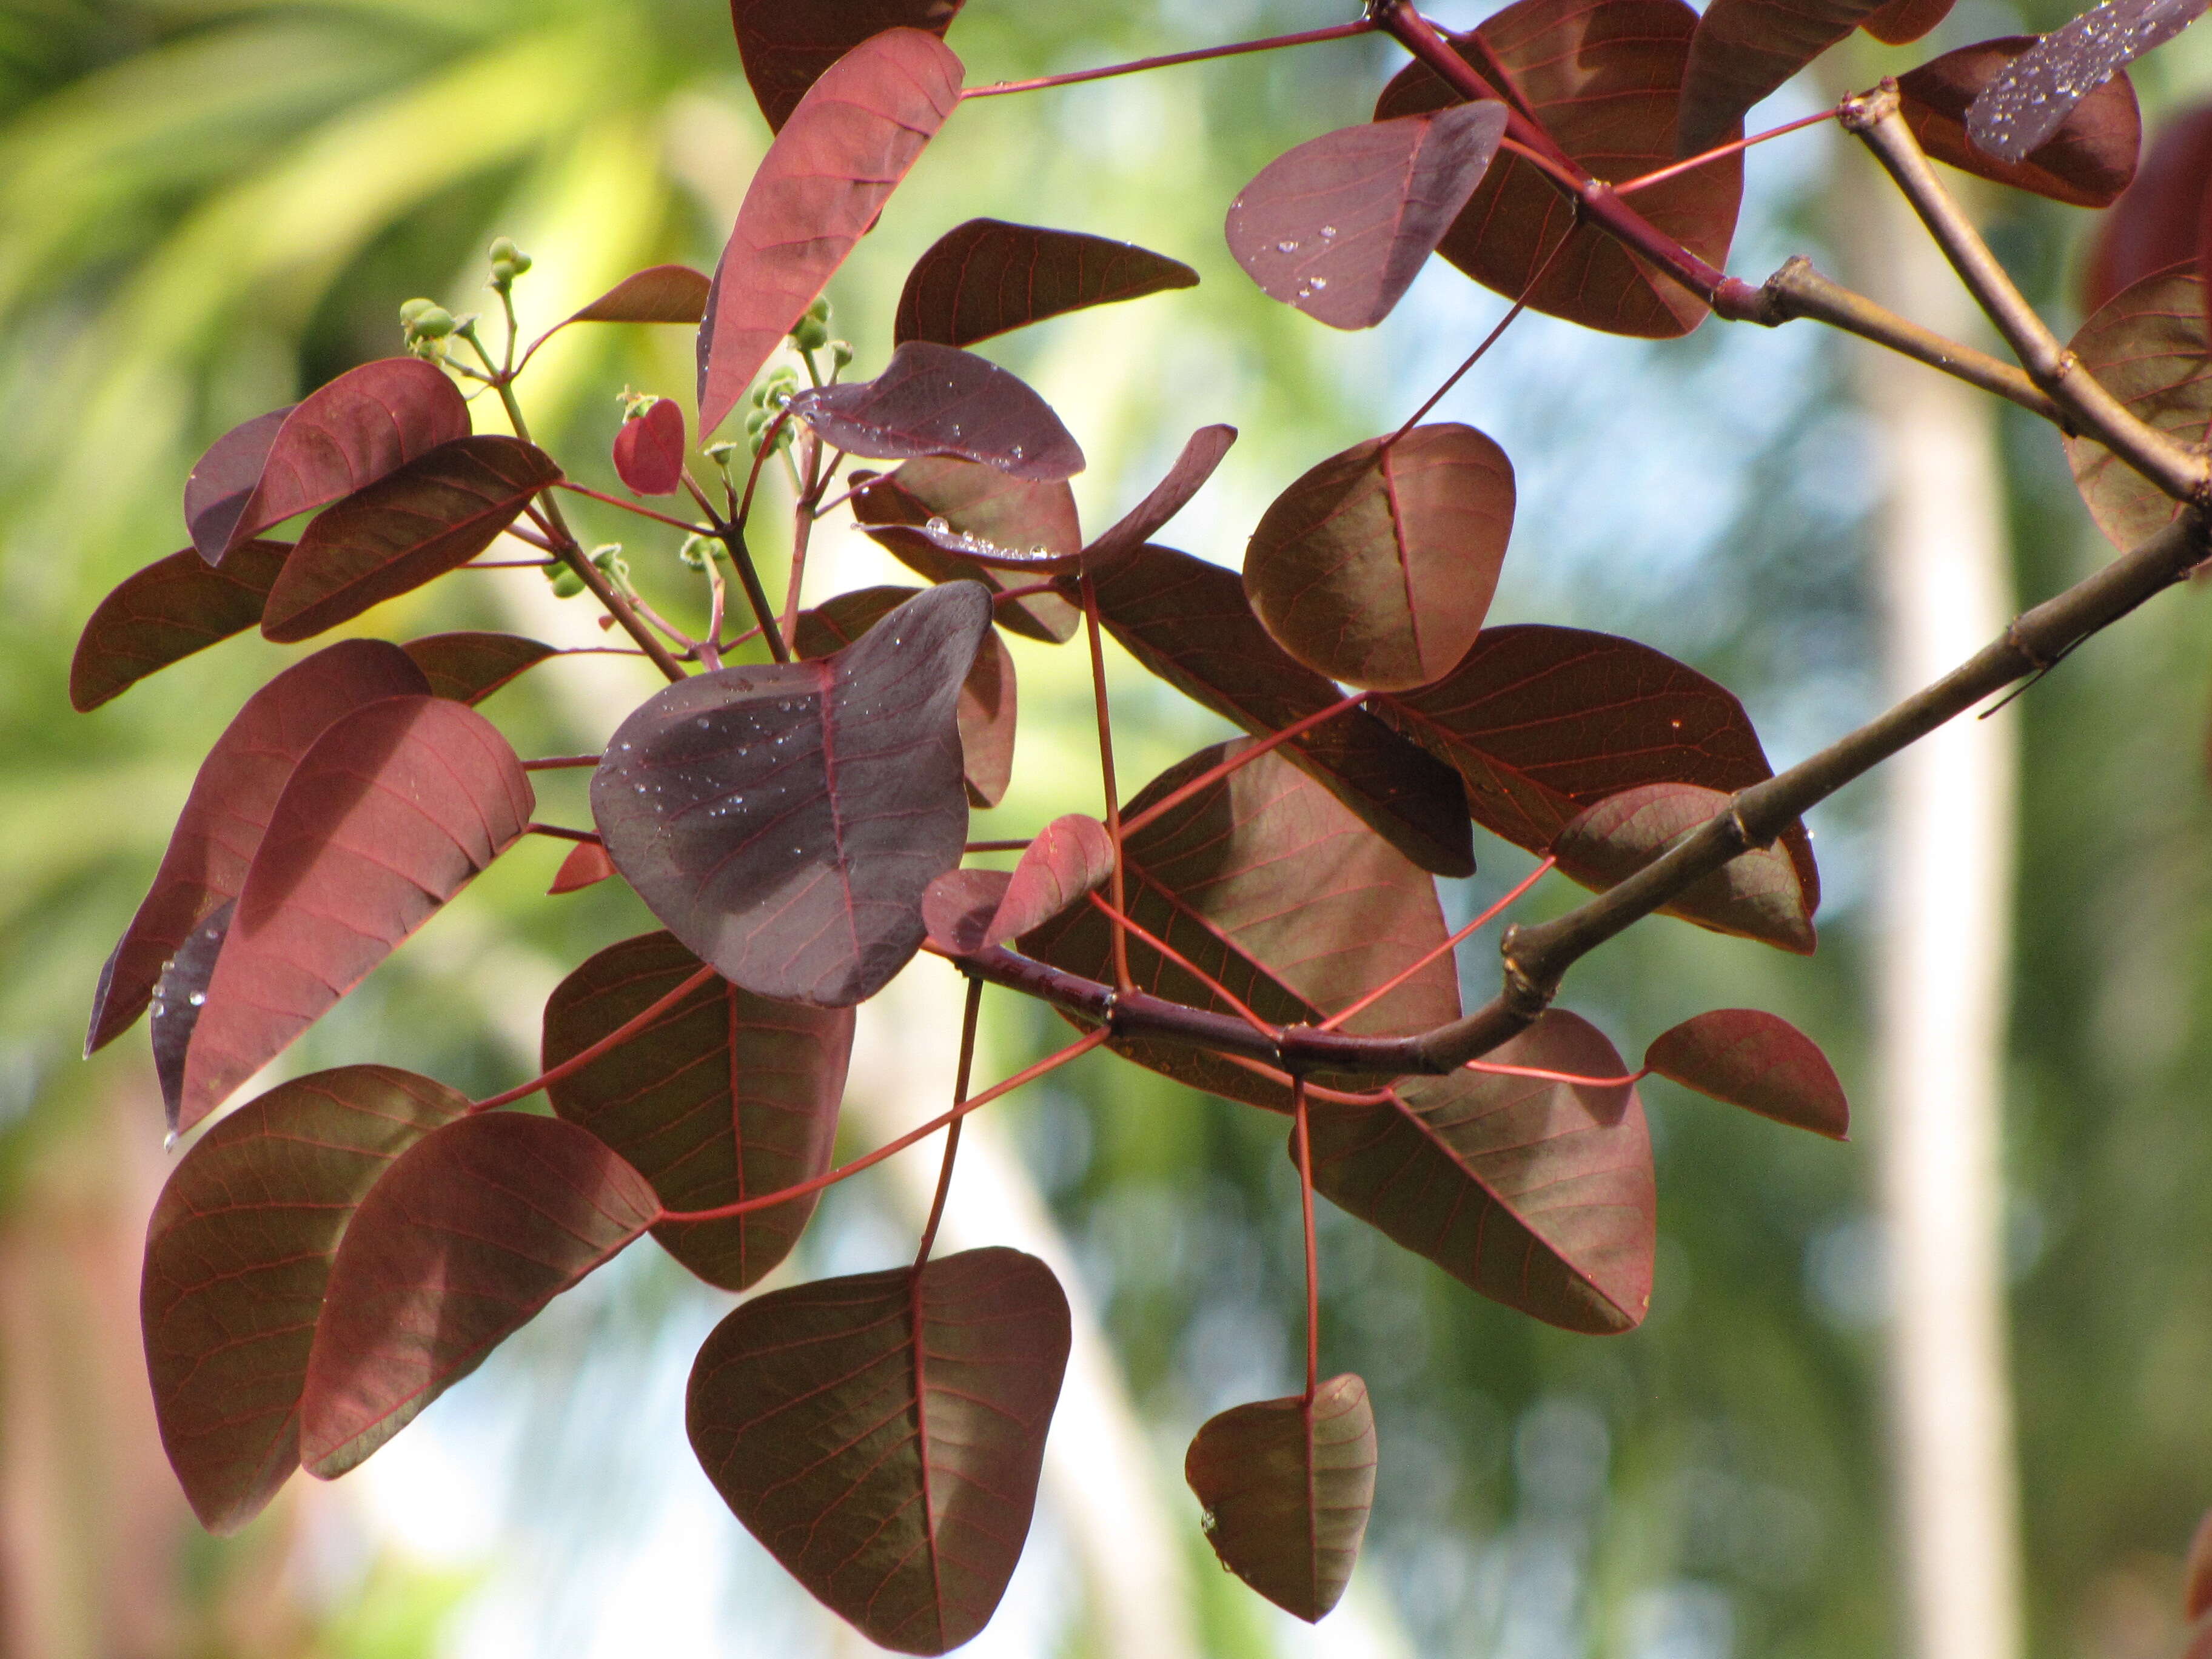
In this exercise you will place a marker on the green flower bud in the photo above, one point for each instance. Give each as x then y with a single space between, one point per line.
567 584
698 549
810 333
720 453
432 322
610 559
413 309
819 311
840 353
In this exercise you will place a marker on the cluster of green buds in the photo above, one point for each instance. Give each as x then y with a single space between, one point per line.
768 398
508 263
567 584
426 324
812 334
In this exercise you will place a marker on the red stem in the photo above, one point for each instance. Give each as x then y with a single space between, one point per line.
564 763
1106 773
1520 305
952 1131
1114 913
1558 1077
575 489
1391 984
558 832
509 564
1646 180
1303 1134
613 1040
1335 32
1221 769
997 846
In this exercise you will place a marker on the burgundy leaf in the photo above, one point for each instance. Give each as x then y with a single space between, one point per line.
2087 161
172 608
1287 1485
959 907
968 909
784 821
786 45
1341 226
649 449
1757 1061
938 400
2159 219
468 667
2032 97
587 866
179 996
396 805
1188 621
1744 49
223 480
1376 568
1756 894
1201 452
228 809
833 165
368 423
2148 347
882 1435
433 515
988 276
237 1254
1534 1193
660 293
476 1228
983 503
727 1096
1900 22
2197 1572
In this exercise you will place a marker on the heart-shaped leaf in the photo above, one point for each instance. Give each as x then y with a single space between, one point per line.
432 515
1757 1061
476 1228
1744 49
1376 568
847 143
787 44
1535 1192
982 502
938 400
1755 895
1201 452
784 821
587 866
988 276
986 707
393 810
237 1254
2020 110
229 807
649 449
468 667
2159 219
968 909
882 1435
660 294
1287 1485
2147 347
223 480
1341 226
2087 161
172 608
1900 22
725 1097
1602 75
367 423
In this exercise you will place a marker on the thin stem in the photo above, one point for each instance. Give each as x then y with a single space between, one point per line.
1628 1080
575 489
1335 32
770 435
1106 773
997 846
508 564
1243 757
953 1131
558 832
1302 1133
1520 304
1718 152
561 763
802 529
1336 1021
1113 913
613 1040
710 648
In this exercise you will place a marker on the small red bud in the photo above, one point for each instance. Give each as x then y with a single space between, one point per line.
649 450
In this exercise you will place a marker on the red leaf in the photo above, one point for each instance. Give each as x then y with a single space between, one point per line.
368 423
1744 49
982 502
179 996
1900 22
434 514
2147 347
725 1097
938 400
1756 894
1602 75
1287 1485
660 293
1187 622
468 667
783 821
473 1230
221 480
230 807
1376 568
649 449
882 1435
1201 453
2156 221
587 866
1539 1195
786 45
988 276
172 608
2197 1572
847 143
237 1254
396 805
2020 110
2087 161
968 909
1757 1061
1341 226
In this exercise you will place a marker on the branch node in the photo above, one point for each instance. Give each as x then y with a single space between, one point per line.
1861 110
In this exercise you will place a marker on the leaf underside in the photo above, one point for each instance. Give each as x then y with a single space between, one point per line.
660 294
2031 96
2148 347
982 502
987 277
1757 1061
469 666
2160 219
2088 161
1744 49
938 400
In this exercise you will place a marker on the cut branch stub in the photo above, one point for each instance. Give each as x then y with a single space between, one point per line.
1758 1061
392 811
784 821
968 909
725 1097
2017 113
649 452
938 400
469 666
1755 895
1538 1194
367 423
1602 79
237 1254
660 293
987 277
982 504
223 480
1202 451
2087 161
1188 621
476 1228
882 1435
172 608
2160 220
1287 1485
431 516
1744 49
786 47
1341 226
847 143
1376 568
228 809
2148 347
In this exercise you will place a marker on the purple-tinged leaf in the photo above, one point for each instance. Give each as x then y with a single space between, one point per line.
1744 49
968 909
1757 1061
988 276
476 1228
172 608
1341 226
786 46
468 667
1900 22
725 1097
660 293
1755 895
882 1435
2029 99
988 506
2088 161
222 481
1286 1485
179 996
587 866
1201 453
2160 218
649 449
2148 347
783 821
938 400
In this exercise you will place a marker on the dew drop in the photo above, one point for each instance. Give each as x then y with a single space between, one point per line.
198 999
1328 232
935 527
1319 283
1286 247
